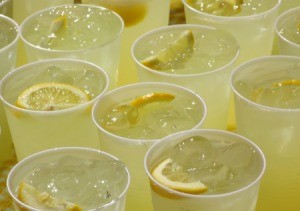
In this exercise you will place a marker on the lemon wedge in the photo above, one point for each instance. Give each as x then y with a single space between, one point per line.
234 2
178 180
51 96
43 200
176 51
152 97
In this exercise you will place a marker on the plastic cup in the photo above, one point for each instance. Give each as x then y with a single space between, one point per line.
243 197
130 150
6 7
287 31
254 32
32 130
210 82
274 127
92 33
9 36
44 158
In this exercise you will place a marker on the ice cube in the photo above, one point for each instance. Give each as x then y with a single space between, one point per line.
106 180
120 118
54 73
236 156
194 153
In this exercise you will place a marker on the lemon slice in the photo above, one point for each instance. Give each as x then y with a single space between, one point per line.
175 52
234 2
51 96
43 200
152 97
176 180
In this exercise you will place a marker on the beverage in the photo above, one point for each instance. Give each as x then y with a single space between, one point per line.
6 7
267 111
132 128
251 22
48 104
69 178
197 57
9 35
139 17
288 32
204 170
79 31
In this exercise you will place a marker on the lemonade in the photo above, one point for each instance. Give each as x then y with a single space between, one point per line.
9 35
131 118
204 170
72 179
197 57
79 31
250 21
139 17
267 93
288 32
48 104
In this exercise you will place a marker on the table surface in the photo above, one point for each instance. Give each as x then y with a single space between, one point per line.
176 17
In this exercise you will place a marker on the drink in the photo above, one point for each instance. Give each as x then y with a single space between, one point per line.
6 7
131 148
139 17
69 178
84 32
47 104
267 111
197 57
204 170
251 22
9 35
288 32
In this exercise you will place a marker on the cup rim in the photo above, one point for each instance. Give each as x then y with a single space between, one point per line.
281 17
255 61
136 86
61 149
53 61
18 34
233 18
112 39
183 26
206 131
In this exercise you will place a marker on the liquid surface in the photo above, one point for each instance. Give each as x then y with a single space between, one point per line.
222 165
221 8
84 27
88 183
211 50
153 120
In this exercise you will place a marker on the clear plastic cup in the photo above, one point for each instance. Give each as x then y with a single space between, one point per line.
9 36
77 31
36 130
231 148
70 159
266 92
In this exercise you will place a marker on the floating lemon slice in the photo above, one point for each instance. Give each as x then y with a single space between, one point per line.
152 97
43 200
174 52
178 181
51 96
